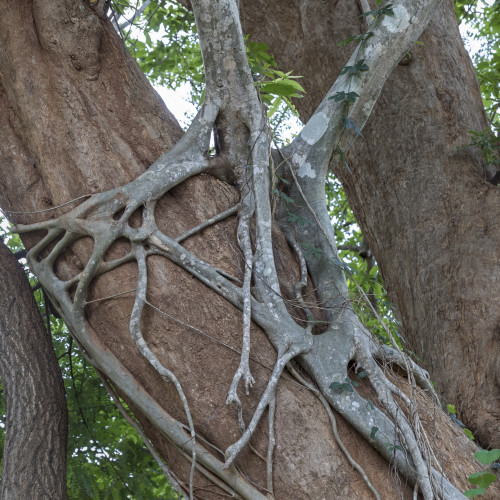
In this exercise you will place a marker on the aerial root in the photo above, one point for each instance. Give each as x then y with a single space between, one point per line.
245 243
407 433
267 397
270 446
210 222
387 354
335 432
136 333
299 287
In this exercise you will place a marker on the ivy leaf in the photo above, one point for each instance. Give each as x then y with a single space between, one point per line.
362 375
343 158
355 38
451 409
486 457
394 447
344 97
347 387
359 67
373 432
283 196
474 493
386 10
482 479
469 434
348 123
282 179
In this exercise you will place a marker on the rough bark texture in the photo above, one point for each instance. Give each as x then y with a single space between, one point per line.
82 118
34 459
424 207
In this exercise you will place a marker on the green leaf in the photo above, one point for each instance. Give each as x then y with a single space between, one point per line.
283 196
362 375
282 87
344 97
383 11
373 432
474 493
311 250
335 386
451 409
355 38
487 457
274 106
285 181
359 67
469 434
482 479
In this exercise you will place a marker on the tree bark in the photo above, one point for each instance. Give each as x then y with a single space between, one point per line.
423 204
34 458
80 119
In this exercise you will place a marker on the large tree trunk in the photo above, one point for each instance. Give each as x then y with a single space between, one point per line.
423 205
78 117
34 459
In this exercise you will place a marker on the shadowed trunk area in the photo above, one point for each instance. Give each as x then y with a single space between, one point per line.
423 205
34 457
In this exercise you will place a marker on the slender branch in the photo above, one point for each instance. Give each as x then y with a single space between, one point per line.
270 446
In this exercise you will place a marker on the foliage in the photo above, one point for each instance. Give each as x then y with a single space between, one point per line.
360 273
275 87
482 479
164 42
481 22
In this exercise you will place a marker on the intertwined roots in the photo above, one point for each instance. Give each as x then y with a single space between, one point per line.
105 218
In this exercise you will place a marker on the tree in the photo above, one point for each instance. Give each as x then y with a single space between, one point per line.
160 317
423 204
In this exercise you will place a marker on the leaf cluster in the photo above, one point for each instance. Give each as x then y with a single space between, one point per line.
275 86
